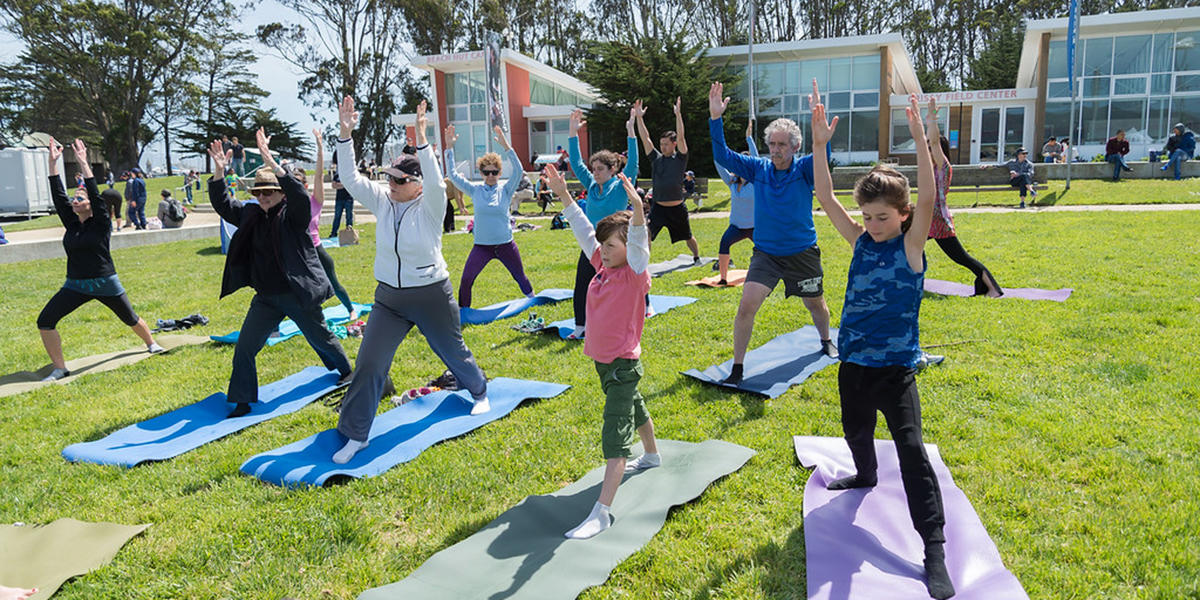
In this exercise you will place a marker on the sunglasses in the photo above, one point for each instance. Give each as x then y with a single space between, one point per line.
487 172
401 180
78 199
258 193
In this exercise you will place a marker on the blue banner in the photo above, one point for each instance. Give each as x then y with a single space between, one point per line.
1072 39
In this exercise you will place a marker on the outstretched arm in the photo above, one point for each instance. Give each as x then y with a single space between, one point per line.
433 185
638 248
318 192
640 112
742 166
753 147
99 206
822 132
299 205
229 210
58 191
516 173
585 234
681 142
576 123
918 231
360 188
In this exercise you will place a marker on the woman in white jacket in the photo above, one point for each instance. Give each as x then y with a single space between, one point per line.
414 285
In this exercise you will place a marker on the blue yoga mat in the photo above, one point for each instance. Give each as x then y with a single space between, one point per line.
511 308
660 304
330 243
192 426
334 315
397 436
775 366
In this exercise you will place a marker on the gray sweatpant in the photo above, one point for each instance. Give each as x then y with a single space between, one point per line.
433 310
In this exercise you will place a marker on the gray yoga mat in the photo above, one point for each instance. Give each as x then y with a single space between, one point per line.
46 556
949 288
523 554
682 262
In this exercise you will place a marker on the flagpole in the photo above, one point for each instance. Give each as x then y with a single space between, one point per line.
1072 41
751 55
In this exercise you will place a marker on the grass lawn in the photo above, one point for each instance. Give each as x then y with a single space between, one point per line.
1070 426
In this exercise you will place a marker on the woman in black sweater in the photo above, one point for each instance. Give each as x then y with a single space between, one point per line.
90 271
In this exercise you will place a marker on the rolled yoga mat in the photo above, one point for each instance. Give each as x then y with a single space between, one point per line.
334 315
736 278
523 554
949 288
512 308
194 425
775 366
660 304
46 556
682 262
397 436
23 381
862 543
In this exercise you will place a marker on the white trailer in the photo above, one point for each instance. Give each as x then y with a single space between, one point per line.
24 181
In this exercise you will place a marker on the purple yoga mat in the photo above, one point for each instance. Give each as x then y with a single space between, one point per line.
949 288
861 543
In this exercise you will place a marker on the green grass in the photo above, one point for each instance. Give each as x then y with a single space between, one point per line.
1071 426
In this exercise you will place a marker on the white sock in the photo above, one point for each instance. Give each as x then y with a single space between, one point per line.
154 348
56 374
481 406
578 333
348 451
648 460
598 520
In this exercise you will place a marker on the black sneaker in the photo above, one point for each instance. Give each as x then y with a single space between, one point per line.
242 409
828 348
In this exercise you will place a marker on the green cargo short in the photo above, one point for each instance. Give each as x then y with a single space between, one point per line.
624 410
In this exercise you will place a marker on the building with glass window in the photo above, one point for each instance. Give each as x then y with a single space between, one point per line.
538 97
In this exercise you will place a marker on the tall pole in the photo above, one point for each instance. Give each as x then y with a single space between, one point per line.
1072 41
751 55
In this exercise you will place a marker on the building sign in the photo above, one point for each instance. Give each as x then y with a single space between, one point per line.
456 57
969 96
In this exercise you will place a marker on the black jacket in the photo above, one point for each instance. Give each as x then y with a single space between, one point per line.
289 231
86 243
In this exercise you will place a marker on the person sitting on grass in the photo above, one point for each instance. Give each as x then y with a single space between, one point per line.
493 231
619 249
878 338
90 271
741 208
271 253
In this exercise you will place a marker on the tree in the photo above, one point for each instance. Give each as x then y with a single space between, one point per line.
226 82
92 69
287 141
996 65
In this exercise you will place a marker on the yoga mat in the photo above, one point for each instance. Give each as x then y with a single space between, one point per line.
775 366
511 308
660 304
46 556
330 243
861 543
23 381
523 554
949 288
682 262
194 425
334 315
397 436
735 279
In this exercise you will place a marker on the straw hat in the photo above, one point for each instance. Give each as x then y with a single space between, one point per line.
264 179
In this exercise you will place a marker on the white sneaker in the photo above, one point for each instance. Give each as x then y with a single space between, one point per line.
481 406
643 462
154 348
56 374
577 334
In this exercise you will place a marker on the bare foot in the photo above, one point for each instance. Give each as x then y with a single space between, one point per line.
7 593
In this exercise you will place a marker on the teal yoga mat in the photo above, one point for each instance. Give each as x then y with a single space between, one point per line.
334 315
523 554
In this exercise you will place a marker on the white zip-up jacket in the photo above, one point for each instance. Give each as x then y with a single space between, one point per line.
408 235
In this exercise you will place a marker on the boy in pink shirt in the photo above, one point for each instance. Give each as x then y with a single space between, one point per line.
619 249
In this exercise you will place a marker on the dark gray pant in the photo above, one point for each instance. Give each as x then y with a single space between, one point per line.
433 310
263 317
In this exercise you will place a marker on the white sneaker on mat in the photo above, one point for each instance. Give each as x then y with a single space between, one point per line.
643 462
481 406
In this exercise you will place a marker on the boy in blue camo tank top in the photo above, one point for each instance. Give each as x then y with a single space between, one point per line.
878 340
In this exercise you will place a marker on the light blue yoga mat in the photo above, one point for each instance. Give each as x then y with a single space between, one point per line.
330 243
334 315
775 366
512 308
192 426
397 436
660 304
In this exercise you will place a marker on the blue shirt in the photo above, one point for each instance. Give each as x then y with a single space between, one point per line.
741 196
782 199
491 202
883 301
609 197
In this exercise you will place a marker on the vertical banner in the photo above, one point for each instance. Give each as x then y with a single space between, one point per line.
1072 41
495 87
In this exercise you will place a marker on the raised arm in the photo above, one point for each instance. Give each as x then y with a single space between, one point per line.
585 234
822 132
681 143
638 248
918 231
737 164
318 192
99 206
631 151
516 172
433 186
360 188
640 112
456 178
576 123
231 211
299 205
58 191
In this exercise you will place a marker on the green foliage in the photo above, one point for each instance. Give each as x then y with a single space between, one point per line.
995 67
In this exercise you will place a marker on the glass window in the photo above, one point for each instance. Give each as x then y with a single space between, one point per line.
1187 83
1160 84
901 140
1129 85
866 100
1057 61
1097 59
1094 121
456 89
1163 51
1131 54
1014 129
478 112
563 97
1128 115
841 135
462 149
477 87
866 72
459 114
1187 51
1158 123
838 100
1058 89
769 106
771 79
1185 109
864 130
815 69
1095 87
791 104
480 145
1058 116
539 137
540 91
839 74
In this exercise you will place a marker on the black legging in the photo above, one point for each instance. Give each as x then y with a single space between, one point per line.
954 249
66 301
584 272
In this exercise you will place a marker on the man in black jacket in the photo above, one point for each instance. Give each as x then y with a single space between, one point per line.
272 253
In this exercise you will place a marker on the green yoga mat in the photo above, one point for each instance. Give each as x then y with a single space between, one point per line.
23 381
523 554
46 556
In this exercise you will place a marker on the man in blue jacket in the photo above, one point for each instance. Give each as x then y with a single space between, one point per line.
1180 147
136 193
785 239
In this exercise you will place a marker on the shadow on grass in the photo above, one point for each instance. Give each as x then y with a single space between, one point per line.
209 251
784 578
539 341
1049 199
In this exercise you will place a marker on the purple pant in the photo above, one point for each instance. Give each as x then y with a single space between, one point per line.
480 256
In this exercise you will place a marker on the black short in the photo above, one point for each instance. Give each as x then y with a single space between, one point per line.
114 208
674 218
801 273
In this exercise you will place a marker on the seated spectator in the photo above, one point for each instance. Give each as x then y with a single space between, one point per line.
171 211
1052 151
